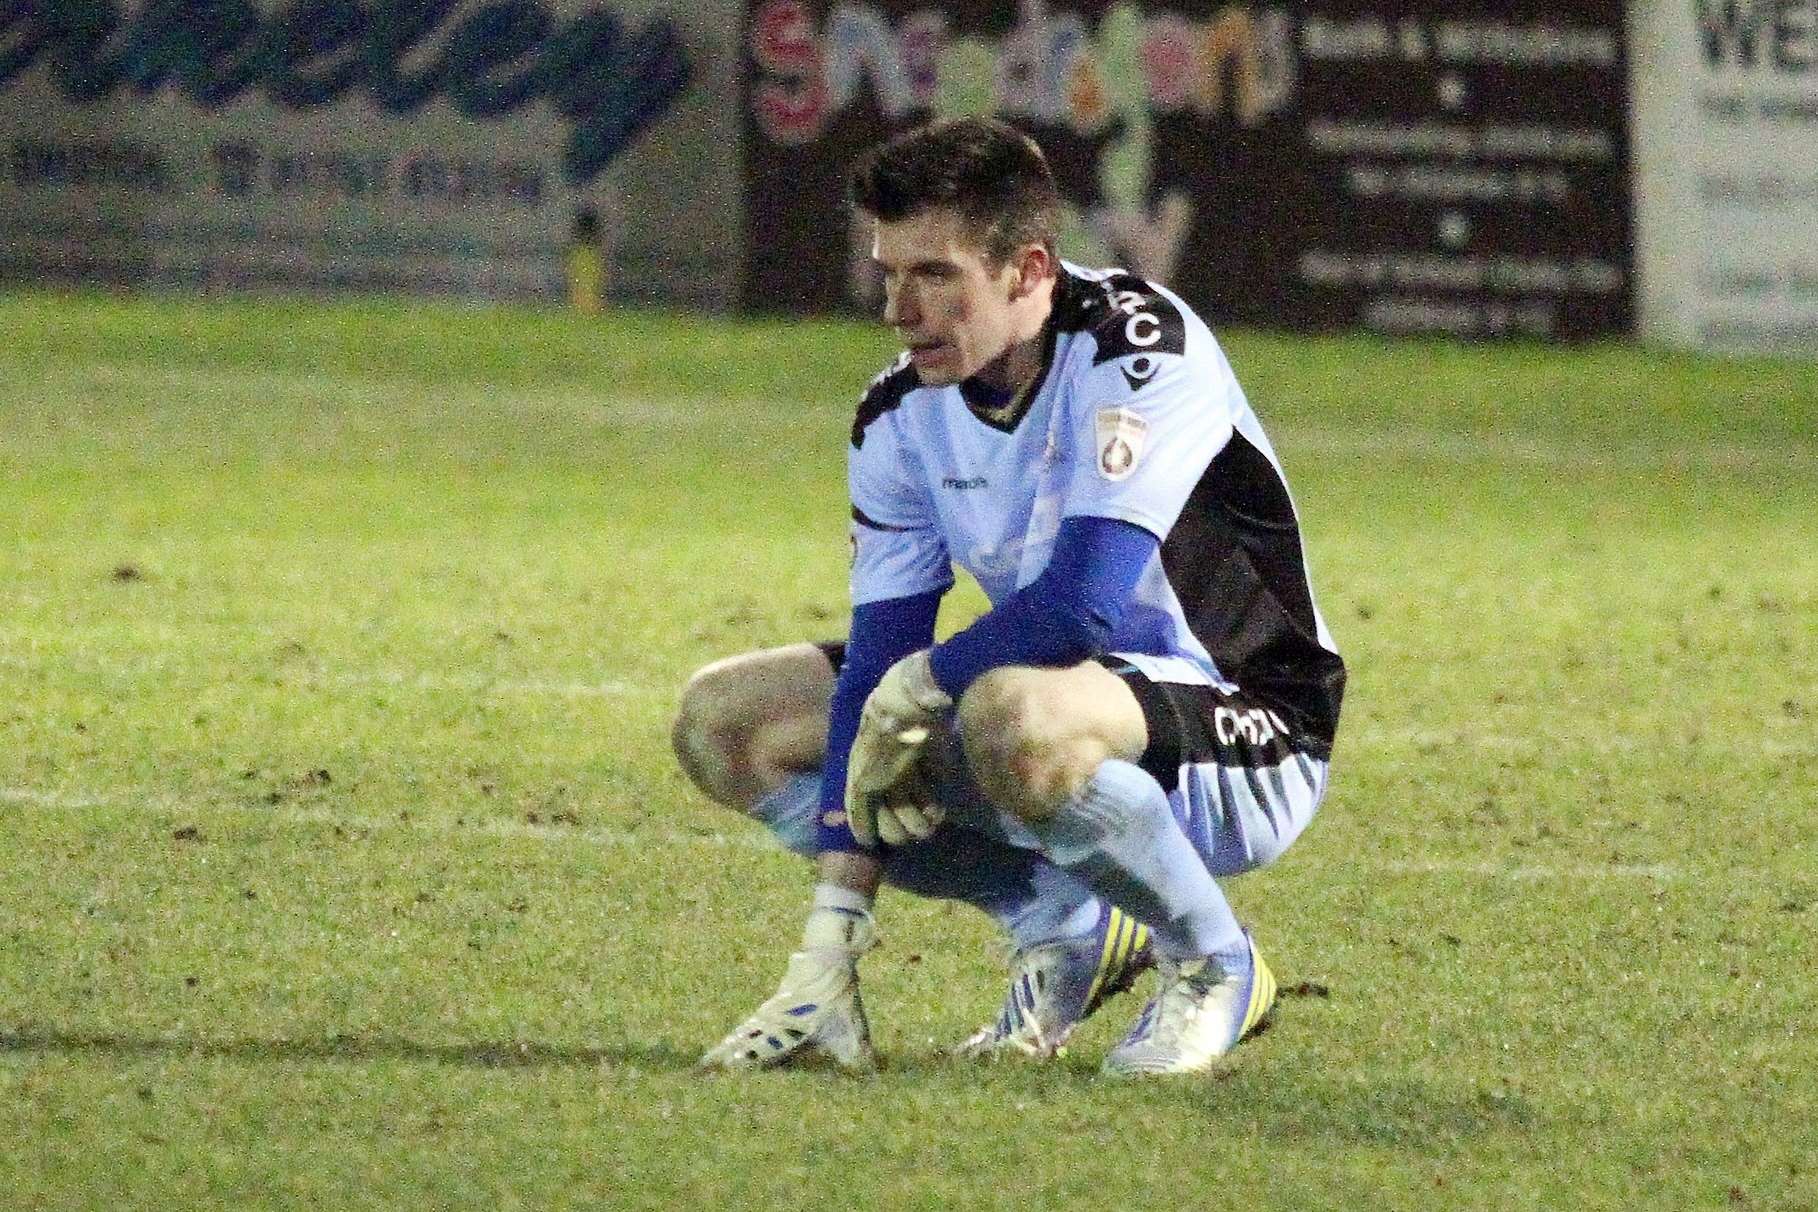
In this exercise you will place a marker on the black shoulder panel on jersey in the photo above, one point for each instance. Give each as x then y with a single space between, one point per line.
1124 313
884 395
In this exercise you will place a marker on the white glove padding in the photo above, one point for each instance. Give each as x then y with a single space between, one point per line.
901 821
897 808
897 720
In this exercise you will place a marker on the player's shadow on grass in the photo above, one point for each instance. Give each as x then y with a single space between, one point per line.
517 1054
1402 1112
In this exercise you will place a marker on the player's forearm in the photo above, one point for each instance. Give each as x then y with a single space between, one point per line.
882 634
1068 614
853 869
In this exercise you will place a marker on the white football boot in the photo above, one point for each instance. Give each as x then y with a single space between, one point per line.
816 1010
1199 1012
1057 986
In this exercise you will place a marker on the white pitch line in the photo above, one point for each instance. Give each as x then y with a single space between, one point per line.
1596 451
1360 736
480 684
1534 871
754 838
1501 448
465 683
1604 744
48 799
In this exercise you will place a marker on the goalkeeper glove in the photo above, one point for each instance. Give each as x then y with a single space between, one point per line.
894 726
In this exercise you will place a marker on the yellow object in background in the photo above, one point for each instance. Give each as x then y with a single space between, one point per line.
586 264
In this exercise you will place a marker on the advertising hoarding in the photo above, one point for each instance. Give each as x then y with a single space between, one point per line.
1726 128
412 145
1441 167
1463 168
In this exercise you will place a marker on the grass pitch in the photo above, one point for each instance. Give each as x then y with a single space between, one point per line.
343 863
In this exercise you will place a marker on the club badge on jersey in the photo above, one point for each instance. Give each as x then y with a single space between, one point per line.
1120 433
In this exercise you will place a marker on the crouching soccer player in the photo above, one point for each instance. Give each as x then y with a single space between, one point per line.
1150 702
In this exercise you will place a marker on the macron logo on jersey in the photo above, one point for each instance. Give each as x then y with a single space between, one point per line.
1139 370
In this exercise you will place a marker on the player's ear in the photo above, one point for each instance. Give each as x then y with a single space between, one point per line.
1033 264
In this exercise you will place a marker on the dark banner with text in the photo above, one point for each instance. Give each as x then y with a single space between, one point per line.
1460 168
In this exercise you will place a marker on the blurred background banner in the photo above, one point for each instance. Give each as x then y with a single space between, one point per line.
1537 168
1726 118
439 146
1463 168
1395 166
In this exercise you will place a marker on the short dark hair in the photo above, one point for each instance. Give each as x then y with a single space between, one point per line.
992 174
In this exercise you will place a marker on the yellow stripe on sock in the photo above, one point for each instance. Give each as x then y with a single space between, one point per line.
1104 955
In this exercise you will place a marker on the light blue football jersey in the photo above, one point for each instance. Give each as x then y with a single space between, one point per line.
1137 416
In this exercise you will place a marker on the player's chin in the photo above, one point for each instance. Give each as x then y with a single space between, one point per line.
937 365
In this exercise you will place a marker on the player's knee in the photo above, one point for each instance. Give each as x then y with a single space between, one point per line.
1019 746
710 736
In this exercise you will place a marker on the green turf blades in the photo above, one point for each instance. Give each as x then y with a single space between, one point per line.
343 862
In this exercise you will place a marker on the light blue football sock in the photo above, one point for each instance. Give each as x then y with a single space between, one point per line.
789 812
1120 839
1033 900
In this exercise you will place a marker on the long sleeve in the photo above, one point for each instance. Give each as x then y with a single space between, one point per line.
883 633
1065 615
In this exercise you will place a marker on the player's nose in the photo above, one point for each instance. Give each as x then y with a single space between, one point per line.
900 308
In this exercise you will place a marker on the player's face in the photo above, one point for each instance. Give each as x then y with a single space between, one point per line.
943 297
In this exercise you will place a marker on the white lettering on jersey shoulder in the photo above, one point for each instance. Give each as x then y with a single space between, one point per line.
1120 433
1141 329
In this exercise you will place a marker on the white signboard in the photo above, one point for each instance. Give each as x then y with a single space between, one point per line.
443 146
1726 129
